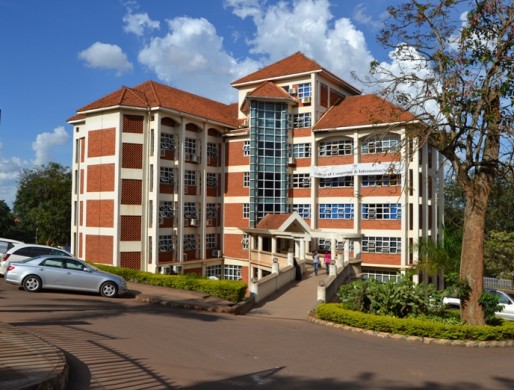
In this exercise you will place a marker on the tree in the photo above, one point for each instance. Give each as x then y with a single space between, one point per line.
6 221
457 76
43 203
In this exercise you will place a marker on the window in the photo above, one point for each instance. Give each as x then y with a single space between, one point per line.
381 180
382 276
381 211
301 150
304 90
213 271
167 175
336 211
167 142
385 144
301 120
211 210
246 148
326 245
246 179
166 209
165 244
381 245
301 180
233 272
343 181
303 209
212 150
336 148
74 265
245 242
212 180
189 242
190 178
190 210
54 263
190 146
246 210
210 241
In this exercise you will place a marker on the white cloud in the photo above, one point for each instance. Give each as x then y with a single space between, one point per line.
10 169
44 143
137 23
360 15
191 56
107 56
307 26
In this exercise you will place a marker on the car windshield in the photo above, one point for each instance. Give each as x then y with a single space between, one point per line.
29 259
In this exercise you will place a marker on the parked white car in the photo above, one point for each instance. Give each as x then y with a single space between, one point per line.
6 244
506 300
25 251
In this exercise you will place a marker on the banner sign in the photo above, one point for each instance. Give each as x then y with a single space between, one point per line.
363 169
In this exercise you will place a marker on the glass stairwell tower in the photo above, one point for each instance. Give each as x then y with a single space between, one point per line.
268 159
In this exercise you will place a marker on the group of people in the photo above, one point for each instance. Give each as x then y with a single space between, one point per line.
327 259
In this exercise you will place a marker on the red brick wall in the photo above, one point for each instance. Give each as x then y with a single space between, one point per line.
133 124
130 228
380 157
329 192
101 142
100 213
335 223
381 224
131 191
335 160
302 132
233 248
234 154
381 191
234 185
234 215
130 260
99 249
132 156
100 178
381 258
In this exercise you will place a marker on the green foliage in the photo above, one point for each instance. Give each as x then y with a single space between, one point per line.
43 204
490 305
230 290
499 254
7 225
337 313
397 299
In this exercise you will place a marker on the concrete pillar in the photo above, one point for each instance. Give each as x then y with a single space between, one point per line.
322 291
290 257
346 251
275 267
273 244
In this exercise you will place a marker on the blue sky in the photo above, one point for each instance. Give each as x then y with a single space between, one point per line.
59 55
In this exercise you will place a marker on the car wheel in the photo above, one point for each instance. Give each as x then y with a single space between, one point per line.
109 289
32 283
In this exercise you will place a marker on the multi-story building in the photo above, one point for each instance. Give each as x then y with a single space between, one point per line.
165 180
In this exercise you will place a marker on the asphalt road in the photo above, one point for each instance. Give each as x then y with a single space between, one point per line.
124 344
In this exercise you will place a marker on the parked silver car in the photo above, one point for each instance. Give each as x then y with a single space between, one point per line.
64 273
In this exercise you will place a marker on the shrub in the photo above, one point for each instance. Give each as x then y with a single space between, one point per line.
336 312
399 299
230 290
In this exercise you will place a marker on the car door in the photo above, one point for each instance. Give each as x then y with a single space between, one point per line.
52 273
79 276
508 306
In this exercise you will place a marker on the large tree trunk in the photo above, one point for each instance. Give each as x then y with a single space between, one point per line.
472 258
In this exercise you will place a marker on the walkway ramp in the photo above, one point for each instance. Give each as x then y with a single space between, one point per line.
294 301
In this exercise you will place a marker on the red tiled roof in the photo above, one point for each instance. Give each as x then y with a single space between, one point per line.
362 110
267 90
152 94
272 221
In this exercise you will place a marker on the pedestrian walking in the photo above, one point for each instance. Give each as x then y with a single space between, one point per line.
328 260
315 260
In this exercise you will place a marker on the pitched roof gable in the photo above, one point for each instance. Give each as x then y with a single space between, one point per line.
362 110
269 91
294 64
151 94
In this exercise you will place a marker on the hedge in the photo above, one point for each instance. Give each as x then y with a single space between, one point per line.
335 312
231 290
